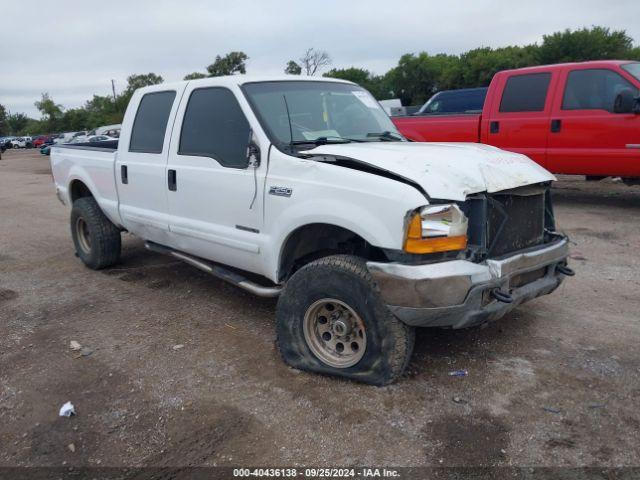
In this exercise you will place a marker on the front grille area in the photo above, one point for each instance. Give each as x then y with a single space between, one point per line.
514 222
506 222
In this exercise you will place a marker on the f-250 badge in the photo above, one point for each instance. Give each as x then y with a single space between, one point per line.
280 191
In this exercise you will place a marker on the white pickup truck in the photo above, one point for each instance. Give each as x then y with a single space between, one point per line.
303 189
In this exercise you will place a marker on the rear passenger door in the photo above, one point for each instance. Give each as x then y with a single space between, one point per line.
519 119
141 162
591 139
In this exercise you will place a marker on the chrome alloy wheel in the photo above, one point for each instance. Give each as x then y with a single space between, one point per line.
335 333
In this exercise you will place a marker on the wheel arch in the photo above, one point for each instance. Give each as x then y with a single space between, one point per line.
311 241
78 189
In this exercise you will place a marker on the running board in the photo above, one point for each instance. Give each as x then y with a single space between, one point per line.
217 271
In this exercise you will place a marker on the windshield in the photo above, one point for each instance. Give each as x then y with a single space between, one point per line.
633 69
299 112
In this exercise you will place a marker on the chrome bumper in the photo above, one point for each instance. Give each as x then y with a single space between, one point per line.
458 293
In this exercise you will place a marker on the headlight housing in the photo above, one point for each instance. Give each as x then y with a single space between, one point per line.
436 228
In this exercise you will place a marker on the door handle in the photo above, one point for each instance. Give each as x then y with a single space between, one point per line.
124 174
171 180
556 125
494 126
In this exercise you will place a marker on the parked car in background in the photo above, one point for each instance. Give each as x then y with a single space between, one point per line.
114 133
21 142
304 190
45 149
572 118
99 138
49 139
104 129
39 141
79 137
464 100
5 142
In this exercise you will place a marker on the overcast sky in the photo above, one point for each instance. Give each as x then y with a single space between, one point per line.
73 49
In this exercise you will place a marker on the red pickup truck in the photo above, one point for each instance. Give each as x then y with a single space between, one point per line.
572 118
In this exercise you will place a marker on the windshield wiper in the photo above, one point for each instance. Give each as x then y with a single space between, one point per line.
325 141
386 136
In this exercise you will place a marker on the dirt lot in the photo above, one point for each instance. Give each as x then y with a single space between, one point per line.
556 383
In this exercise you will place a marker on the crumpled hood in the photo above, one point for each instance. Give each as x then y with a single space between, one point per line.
447 171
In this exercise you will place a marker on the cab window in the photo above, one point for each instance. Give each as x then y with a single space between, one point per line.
214 126
150 124
593 89
525 93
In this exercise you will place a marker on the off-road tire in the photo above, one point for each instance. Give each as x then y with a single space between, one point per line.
389 342
104 236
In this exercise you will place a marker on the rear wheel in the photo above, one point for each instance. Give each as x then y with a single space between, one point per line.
331 319
96 239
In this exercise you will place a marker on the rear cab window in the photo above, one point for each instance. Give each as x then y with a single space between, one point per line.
525 93
150 124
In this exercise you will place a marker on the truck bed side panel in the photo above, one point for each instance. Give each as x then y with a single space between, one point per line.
440 128
92 166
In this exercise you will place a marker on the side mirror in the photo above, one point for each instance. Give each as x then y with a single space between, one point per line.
253 151
625 102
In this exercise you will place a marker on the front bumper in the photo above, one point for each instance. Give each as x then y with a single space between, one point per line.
458 293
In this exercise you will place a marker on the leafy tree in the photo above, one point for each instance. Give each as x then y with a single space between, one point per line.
17 122
477 67
417 77
293 68
195 76
142 80
76 119
314 60
230 64
374 83
50 110
32 127
4 128
596 43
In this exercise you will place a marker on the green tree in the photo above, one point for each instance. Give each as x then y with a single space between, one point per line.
51 112
417 77
195 76
293 68
17 122
140 80
596 43
32 127
230 64
478 66
4 128
374 83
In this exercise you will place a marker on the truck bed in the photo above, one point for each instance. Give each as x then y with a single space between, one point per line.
459 127
94 165
108 146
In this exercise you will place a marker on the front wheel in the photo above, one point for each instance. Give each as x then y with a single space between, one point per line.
331 319
96 239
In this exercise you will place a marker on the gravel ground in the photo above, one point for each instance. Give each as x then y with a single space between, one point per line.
179 368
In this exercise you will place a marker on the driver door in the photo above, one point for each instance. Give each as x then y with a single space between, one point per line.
587 137
215 198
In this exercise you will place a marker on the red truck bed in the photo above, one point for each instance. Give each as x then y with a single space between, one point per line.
440 128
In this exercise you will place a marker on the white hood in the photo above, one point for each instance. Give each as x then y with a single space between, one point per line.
447 171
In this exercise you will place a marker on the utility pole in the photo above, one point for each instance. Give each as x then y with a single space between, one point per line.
113 89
